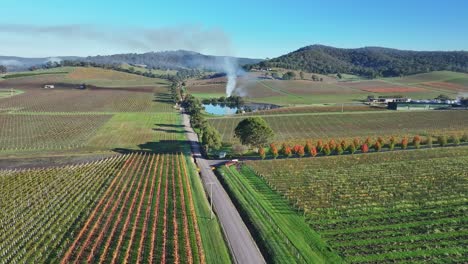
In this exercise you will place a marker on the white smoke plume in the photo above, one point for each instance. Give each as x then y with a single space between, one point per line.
230 68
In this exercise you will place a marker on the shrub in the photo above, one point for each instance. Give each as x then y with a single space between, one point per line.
283 149
313 151
261 153
417 141
429 141
364 148
404 143
377 146
326 150
442 140
455 140
239 149
464 138
352 148
367 141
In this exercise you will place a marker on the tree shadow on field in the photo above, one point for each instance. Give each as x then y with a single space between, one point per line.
158 147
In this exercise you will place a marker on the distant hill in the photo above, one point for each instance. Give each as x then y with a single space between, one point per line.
166 60
368 61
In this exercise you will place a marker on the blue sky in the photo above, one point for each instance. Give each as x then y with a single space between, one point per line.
254 28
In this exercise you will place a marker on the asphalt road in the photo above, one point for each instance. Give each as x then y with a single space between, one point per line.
242 246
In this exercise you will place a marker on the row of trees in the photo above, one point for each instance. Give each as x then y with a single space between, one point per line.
338 148
209 136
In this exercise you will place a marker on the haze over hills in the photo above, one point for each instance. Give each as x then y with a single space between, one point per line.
174 60
369 61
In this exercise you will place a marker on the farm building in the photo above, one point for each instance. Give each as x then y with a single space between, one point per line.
386 100
417 106
49 86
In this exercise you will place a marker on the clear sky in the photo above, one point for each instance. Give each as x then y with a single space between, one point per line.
249 28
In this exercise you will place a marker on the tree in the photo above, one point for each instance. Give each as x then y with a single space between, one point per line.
261 153
339 75
287 151
289 76
275 75
319 145
442 97
308 147
377 146
313 151
300 151
274 150
364 148
301 74
211 138
326 150
429 141
339 149
442 140
464 138
391 145
404 143
417 141
352 148
455 140
3 69
314 78
253 131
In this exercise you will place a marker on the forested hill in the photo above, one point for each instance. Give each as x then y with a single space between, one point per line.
368 61
179 59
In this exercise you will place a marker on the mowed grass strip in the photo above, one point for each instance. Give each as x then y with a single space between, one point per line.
381 207
299 127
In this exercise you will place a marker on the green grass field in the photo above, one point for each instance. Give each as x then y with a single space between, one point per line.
383 207
300 127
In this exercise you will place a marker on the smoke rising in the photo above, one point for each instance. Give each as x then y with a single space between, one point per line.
230 68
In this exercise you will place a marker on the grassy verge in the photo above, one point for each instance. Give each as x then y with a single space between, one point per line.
216 250
280 231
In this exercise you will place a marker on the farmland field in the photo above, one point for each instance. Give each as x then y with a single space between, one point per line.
406 207
299 127
302 92
135 207
89 75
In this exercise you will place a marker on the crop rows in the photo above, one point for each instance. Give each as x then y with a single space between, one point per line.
146 216
42 208
324 126
381 207
90 100
40 132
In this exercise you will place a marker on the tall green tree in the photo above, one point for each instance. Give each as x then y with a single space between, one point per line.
3 69
211 138
254 132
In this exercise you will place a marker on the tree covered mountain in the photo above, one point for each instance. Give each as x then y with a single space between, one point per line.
173 60
368 61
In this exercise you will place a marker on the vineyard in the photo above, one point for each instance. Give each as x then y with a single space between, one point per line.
42 208
407 206
127 209
299 127
90 100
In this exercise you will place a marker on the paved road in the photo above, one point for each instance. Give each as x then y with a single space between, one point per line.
243 247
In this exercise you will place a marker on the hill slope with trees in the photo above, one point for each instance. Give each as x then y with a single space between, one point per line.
368 61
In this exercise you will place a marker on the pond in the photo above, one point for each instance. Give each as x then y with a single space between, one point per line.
222 109
219 109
